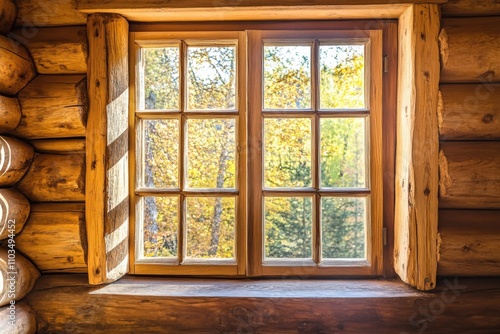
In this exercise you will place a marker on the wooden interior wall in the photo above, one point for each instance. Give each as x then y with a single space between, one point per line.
469 124
54 113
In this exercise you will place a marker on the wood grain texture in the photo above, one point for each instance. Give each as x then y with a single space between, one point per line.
49 13
469 111
14 210
469 175
271 306
59 146
25 279
54 238
58 50
455 8
417 148
16 66
25 320
107 148
469 50
55 178
15 159
53 106
8 14
10 113
469 242
202 10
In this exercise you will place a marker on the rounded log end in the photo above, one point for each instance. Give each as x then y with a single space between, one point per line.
15 159
25 320
10 114
8 15
14 211
16 66
15 287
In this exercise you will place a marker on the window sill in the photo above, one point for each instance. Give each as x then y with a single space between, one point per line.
66 303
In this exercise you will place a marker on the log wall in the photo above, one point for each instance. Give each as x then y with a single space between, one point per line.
469 126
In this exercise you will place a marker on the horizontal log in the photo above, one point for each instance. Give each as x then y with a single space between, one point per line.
8 14
456 8
16 66
469 175
53 106
469 241
59 146
55 178
14 210
54 13
469 50
15 159
10 113
62 303
25 277
25 320
469 111
58 50
54 238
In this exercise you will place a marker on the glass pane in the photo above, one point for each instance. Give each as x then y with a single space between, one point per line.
287 77
342 76
161 153
211 153
160 226
343 159
211 78
343 222
287 152
211 223
288 227
160 86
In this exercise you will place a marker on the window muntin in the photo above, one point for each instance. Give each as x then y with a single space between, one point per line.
318 196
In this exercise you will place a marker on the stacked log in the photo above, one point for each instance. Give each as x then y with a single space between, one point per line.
8 14
16 67
23 272
469 126
10 114
14 211
53 106
21 320
15 159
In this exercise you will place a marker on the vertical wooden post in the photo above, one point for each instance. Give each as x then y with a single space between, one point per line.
107 148
416 212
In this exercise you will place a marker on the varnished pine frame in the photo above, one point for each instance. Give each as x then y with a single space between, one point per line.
248 265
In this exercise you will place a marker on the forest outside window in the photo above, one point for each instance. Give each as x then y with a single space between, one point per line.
257 153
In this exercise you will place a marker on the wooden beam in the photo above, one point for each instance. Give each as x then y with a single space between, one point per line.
36 13
234 10
455 8
54 238
469 111
8 14
15 159
10 113
469 50
59 146
107 149
62 303
16 66
55 178
25 277
14 210
53 106
469 175
469 242
57 50
25 320
417 148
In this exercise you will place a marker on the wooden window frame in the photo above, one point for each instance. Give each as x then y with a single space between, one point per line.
249 265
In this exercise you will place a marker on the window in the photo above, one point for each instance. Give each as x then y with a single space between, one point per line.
257 153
